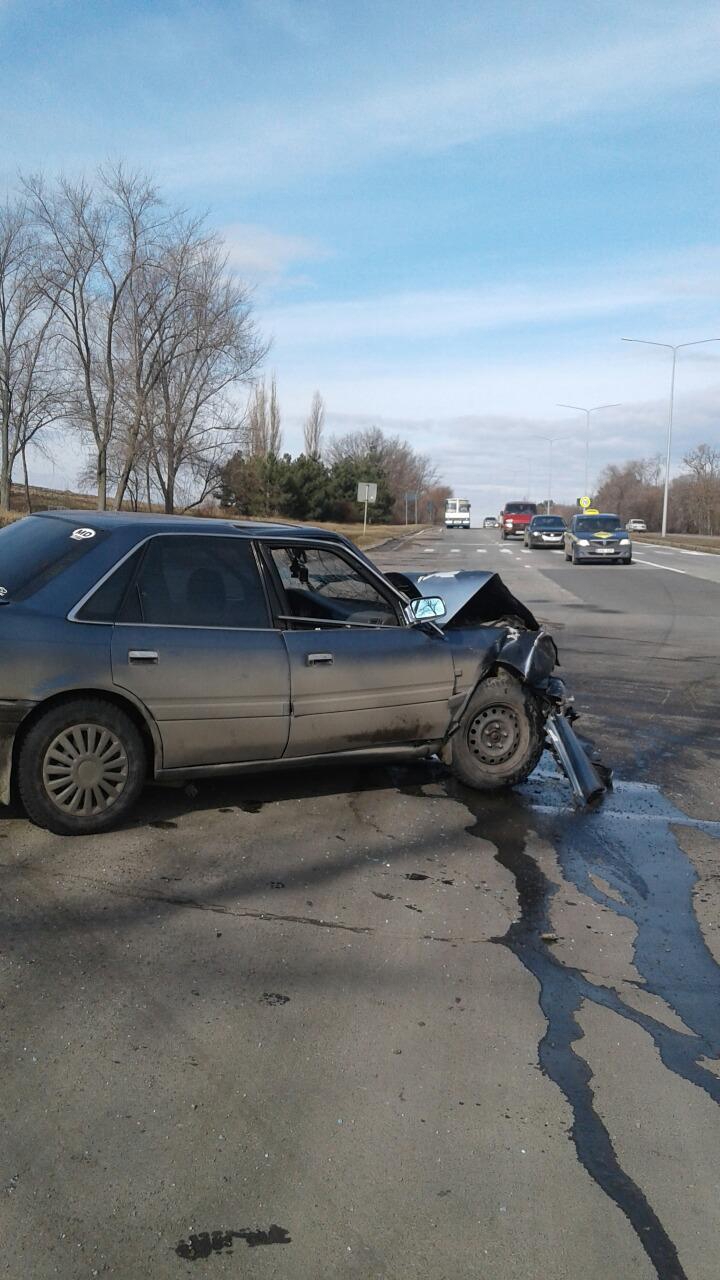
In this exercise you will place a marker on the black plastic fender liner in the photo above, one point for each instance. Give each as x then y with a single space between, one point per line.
580 771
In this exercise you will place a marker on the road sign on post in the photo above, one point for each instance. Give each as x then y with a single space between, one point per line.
410 497
366 492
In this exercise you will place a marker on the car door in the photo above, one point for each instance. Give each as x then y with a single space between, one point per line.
359 675
195 644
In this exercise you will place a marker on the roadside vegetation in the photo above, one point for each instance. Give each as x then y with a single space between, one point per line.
635 490
125 337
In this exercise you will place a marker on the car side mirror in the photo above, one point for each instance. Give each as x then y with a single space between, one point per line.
428 608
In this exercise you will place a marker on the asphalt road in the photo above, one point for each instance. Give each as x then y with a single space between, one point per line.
364 1022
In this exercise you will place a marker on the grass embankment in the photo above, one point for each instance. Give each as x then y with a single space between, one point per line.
44 499
686 541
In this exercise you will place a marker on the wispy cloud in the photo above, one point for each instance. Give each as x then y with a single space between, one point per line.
263 255
610 289
437 110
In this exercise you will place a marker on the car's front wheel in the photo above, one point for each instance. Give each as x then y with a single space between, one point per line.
501 735
81 767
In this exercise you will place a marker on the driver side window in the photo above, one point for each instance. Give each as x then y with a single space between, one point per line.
322 587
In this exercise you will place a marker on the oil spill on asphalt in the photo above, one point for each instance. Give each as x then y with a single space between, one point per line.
629 844
203 1244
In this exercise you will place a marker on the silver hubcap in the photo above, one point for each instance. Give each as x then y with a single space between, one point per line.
494 735
85 769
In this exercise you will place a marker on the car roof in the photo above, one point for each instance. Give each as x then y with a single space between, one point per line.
600 515
153 522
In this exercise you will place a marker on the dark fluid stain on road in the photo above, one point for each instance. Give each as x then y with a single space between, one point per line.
629 844
273 998
204 1244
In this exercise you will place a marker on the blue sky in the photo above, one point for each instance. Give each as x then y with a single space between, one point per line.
451 213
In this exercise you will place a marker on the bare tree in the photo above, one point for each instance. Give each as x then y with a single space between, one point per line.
274 428
262 434
313 428
703 463
29 401
94 242
209 345
152 333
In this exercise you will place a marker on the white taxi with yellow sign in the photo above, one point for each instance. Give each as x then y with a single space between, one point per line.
595 537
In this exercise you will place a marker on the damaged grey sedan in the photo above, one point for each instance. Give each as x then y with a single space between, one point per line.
140 647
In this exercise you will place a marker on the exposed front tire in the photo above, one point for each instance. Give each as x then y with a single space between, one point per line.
501 735
81 767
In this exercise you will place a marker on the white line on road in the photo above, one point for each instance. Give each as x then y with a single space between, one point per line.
651 565
482 551
505 551
454 551
683 551
428 548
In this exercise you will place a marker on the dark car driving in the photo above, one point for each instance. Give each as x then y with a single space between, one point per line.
594 538
139 647
545 531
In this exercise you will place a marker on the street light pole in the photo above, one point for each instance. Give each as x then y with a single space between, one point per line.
581 409
646 342
551 441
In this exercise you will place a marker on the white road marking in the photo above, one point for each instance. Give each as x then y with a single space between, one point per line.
683 551
505 551
527 551
428 548
482 551
651 565
454 551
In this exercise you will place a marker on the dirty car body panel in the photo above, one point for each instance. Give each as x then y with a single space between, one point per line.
233 645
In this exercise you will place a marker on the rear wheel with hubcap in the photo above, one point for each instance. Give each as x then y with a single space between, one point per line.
81 767
501 735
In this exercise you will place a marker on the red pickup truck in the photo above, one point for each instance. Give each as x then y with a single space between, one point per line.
515 518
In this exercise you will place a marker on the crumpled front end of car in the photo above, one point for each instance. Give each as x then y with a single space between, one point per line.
490 629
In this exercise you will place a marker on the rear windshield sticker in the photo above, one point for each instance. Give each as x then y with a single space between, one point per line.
79 534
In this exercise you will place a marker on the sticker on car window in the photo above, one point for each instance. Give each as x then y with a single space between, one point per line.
78 535
3 592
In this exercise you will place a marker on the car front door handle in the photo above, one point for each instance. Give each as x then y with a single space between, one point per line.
319 659
143 657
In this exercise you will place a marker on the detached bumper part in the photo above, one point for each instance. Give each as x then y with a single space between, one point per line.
584 778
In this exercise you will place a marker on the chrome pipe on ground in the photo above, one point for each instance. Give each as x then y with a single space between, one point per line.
566 747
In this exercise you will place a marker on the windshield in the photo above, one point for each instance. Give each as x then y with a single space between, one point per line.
548 522
463 506
520 508
597 524
35 549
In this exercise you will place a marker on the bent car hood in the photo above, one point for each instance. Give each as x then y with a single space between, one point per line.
472 598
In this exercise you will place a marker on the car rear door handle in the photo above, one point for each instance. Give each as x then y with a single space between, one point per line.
319 659
143 657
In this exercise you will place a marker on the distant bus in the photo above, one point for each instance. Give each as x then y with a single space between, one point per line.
457 513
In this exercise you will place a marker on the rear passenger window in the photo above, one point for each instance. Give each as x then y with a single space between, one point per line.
104 604
191 581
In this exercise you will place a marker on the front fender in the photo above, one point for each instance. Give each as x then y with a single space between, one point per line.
531 656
